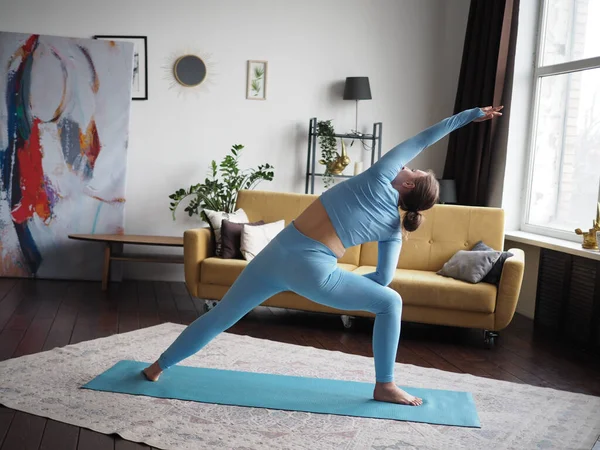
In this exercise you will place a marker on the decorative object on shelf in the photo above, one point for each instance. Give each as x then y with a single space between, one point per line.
63 152
339 163
323 130
219 192
256 83
447 191
358 168
189 71
357 88
590 239
140 63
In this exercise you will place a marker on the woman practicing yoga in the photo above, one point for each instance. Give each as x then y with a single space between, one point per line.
303 257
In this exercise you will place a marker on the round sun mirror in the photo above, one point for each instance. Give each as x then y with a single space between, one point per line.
189 70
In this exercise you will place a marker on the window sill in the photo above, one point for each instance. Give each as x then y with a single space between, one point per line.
551 243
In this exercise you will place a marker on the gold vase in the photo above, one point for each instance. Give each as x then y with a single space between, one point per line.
337 166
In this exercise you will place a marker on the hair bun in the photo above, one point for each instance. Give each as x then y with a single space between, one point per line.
412 220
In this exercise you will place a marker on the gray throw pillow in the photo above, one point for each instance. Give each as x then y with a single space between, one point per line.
469 266
493 276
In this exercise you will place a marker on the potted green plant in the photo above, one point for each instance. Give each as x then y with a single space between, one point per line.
328 144
219 191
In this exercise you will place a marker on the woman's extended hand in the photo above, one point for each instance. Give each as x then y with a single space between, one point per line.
490 113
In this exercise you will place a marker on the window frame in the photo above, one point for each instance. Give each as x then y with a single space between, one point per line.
540 72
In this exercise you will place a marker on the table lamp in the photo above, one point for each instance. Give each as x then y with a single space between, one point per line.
447 191
357 88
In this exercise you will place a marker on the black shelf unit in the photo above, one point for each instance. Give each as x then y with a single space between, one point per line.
311 158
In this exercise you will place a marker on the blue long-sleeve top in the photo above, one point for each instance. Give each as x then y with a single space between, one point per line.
365 208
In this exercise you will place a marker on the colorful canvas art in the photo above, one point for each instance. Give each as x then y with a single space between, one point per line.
64 124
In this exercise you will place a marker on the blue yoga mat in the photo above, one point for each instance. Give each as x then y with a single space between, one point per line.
316 395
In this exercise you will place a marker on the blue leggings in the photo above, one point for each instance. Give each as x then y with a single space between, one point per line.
295 262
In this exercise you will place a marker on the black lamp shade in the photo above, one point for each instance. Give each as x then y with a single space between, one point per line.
357 88
447 191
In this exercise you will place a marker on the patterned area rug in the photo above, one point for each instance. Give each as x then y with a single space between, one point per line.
513 416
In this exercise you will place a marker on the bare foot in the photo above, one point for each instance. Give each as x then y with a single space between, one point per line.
389 392
153 372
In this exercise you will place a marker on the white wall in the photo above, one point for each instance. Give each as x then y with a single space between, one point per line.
410 50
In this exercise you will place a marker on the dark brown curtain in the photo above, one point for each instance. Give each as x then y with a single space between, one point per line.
485 63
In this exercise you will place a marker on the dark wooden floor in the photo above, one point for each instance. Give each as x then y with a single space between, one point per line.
39 315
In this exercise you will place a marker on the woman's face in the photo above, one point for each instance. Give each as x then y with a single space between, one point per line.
405 180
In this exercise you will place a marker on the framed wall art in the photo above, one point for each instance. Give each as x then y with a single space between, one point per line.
140 63
256 84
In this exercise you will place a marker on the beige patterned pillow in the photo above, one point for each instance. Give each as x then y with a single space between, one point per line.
257 237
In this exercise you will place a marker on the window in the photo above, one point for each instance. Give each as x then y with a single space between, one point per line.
564 168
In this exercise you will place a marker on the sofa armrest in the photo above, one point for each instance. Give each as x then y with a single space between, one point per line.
509 288
197 246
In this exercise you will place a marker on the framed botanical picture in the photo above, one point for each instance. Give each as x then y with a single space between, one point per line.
256 85
140 63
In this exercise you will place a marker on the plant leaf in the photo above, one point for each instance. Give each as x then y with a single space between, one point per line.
219 191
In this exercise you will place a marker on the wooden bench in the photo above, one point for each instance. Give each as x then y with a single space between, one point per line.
113 250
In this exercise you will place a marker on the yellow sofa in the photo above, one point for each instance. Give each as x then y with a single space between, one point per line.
427 297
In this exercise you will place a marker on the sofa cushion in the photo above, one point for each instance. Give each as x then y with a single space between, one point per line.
495 273
445 230
224 272
231 238
274 206
470 266
221 271
424 288
215 220
255 238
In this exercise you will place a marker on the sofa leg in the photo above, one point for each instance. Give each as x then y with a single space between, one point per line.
209 304
348 321
489 338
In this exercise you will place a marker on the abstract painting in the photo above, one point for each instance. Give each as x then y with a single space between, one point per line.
64 126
